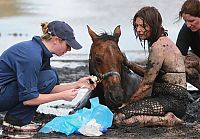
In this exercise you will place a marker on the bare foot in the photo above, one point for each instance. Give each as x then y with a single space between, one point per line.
172 120
145 120
118 118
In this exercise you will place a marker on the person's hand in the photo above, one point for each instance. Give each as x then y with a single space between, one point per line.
84 82
125 61
70 94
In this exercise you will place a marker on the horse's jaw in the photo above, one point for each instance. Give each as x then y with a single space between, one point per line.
114 97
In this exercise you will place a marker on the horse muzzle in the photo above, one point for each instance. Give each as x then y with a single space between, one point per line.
114 96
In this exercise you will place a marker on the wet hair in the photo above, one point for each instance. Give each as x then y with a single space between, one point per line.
46 35
152 17
191 7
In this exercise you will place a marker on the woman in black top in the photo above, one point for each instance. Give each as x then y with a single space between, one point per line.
189 38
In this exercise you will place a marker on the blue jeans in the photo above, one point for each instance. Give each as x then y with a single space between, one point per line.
18 113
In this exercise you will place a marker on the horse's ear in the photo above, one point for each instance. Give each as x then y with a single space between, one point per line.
117 33
92 34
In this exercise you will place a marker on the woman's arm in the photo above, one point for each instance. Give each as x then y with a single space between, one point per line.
74 85
155 61
67 95
66 91
183 39
133 66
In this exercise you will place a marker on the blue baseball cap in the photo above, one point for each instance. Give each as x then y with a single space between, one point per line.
63 31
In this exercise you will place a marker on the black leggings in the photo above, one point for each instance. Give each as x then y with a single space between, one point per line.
165 98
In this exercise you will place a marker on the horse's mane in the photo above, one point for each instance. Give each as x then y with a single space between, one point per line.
105 36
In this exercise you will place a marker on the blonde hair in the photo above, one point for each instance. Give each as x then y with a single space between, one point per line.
46 35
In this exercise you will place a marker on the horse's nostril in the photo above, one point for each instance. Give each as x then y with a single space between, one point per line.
116 94
119 99
116 98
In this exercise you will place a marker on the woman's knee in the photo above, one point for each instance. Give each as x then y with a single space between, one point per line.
47 81
53 77
56 75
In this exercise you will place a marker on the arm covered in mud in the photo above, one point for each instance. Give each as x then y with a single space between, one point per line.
192 61
155 61
134 66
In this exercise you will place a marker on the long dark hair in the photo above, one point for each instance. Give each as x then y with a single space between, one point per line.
152 17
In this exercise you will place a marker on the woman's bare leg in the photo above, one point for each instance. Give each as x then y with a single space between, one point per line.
145 120
192 66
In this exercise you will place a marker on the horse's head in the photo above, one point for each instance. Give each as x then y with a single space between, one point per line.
105 62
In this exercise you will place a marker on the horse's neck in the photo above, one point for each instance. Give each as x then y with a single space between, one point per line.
130 81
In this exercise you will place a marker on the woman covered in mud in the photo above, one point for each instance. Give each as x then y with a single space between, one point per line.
189 37
164 76
28 80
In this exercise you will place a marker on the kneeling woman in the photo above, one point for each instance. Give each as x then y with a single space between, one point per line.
164 76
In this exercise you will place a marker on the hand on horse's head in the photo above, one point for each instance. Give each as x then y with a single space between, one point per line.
85 82
125 61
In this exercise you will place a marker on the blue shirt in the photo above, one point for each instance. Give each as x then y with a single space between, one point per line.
22 62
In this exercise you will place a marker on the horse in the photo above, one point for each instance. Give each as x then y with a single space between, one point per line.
117 81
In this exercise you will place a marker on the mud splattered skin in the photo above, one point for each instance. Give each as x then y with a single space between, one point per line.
161 97
165 64
192 65
165 79
166 57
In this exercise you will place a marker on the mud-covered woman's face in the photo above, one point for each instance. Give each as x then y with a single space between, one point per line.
192 22
142 28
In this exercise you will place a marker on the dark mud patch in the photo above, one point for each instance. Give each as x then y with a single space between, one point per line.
136 132
189 130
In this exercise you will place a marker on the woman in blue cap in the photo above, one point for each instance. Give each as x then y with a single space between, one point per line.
28 80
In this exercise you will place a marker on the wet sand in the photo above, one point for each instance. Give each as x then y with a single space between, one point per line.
189 130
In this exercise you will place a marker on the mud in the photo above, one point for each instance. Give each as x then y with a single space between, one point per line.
191 128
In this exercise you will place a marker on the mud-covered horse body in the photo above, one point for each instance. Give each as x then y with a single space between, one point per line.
106 62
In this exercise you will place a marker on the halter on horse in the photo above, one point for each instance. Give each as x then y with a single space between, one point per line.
106 62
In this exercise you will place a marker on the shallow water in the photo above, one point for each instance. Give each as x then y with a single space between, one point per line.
25 16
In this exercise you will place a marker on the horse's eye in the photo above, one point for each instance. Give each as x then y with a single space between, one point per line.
98 60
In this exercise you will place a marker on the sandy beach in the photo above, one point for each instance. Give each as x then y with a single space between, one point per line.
189 130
